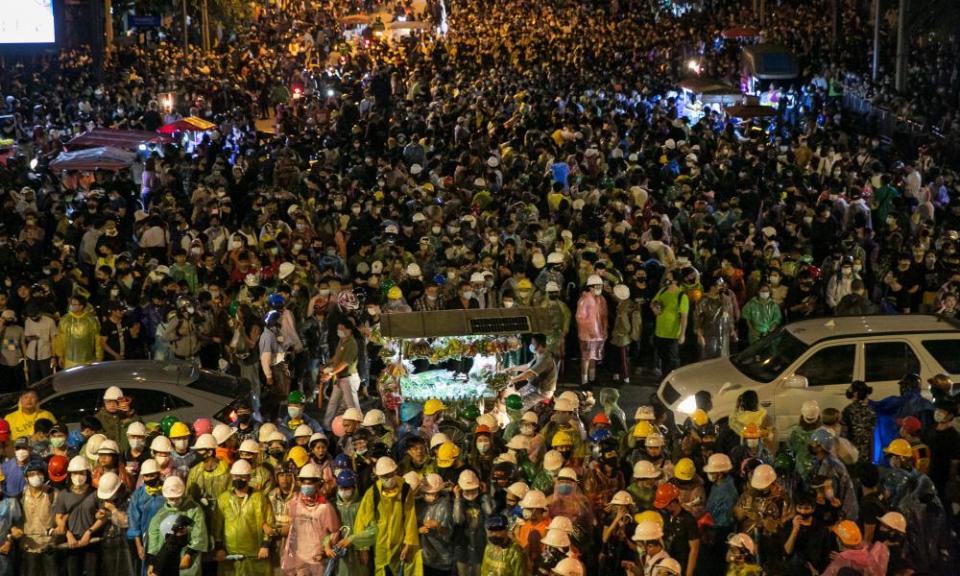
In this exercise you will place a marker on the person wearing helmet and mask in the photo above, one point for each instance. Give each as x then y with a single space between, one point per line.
556 547
900 476
314 527
37 501
208 478
853 554
618 528
435 519
449 462
347 501
627 329
279 498
530 531
182 457
502 556
75 512
262 477
892 532
751 449
826 464
654 447
529 441
243 525
569 501
681 534
112 498
693 496
741 556
604 476
376 422
592 320
388 516
116 415
762 314
471 507
560 316
651 552
294 416
342 369
145 502
763 509
800 436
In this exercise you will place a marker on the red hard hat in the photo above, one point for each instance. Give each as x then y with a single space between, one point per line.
482 429
4 430
666 493
57 468
601 418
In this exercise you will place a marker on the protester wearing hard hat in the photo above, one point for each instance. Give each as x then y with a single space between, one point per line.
116 414
243 524
387 510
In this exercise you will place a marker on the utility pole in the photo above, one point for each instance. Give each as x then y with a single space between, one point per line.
901 79
107 29
874 68
186 40
206 27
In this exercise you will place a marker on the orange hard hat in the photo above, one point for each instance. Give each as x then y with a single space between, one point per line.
666 493
751 431
601 418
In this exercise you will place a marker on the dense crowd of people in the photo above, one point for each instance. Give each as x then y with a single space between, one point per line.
533 156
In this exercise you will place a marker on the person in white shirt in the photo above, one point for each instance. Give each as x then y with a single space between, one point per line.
39 332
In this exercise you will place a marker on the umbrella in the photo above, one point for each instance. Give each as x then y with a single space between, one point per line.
188 124
103 158
746 111
124 139
740 32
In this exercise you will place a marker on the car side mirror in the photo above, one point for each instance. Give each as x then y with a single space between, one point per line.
796 381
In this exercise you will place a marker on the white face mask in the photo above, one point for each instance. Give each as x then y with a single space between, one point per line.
527 429
78 479
162 459
483 447
181 444
597 290
137 443
508 303
764 295
35 480
22 454
294 411
527 513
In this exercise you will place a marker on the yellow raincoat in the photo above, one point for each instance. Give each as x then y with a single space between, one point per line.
78 339
394 521
238 529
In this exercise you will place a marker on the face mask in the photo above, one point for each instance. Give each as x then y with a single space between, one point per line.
173 502
308 489
527 429
345 494
940 416
75 308
181 444
775 280
753 442
483 447
527 513
235 245
508 303
342 334
35 480
565 489
153 482
389 483
597 290
78 479
138 443
294 411
57 441
162 459
471 496
239 483
468 295
712 477
435 230
22 454
828 493
764 295
277 454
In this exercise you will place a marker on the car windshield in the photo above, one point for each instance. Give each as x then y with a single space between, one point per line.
767 358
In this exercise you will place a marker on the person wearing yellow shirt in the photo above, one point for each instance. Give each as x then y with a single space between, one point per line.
21 420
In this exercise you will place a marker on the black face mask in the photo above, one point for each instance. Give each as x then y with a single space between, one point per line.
278 454
239 484
153 483
500 541
180 540
243 419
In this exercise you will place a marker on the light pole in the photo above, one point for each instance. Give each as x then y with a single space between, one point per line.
901 79
875 65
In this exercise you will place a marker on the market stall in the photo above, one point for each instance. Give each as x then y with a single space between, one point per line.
457 356
103 158
702 94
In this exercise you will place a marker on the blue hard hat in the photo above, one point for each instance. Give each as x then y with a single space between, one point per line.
440 279
346 479
496 522
599 435
342 461
822 437
275 300
272 319
409 411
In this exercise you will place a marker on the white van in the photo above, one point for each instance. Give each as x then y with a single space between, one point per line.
817 360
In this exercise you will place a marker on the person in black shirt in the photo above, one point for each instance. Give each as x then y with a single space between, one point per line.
113 334
681 534
944 443
167 561
872 504
809 540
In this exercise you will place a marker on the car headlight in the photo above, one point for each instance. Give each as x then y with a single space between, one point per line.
688 405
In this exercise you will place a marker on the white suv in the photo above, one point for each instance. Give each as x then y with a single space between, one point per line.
817 360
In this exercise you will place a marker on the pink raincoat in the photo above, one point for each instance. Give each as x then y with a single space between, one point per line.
591 318
309 527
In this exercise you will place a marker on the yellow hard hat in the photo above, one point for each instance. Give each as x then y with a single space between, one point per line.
433 406
685 469
524 285
700 417
899 447
447 454
299 456
751 431
561 438
642 429
394 293
179 430
649 516
849 533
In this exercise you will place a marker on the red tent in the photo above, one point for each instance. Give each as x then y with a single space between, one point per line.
123 139
104 158
188 124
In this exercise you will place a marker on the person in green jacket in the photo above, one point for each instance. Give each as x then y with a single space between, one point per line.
627 325
242 527
502 555
761 314
561 317
177 503
348 502
387 514
208 478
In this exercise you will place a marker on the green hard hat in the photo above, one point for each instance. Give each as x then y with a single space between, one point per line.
470 412
295 397
232 309
167 423
514 402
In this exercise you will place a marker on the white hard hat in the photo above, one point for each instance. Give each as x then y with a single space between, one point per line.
222 432
413 270
563 405
552 287
173 487
353 414
654 440
647 530
530 417
561 523
468 480
519 442
569 567
477 278
741 540
718 463
250 445
568 474
622 498
555 258
644 469
385 465
433 483
205 442
594 280
644 413
810 411
668 567
505 457
78 464
572 397
894 520
557 539
621 291
286 269
303 431
276 436
241 468
518 489
438 439
136 429
552 460
538 261
534 499
92 447
266 429
374 417
418 217
309 470
413 480
113 393
763 476
149 466
108 447
161 444
488 420
108 486
317 436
